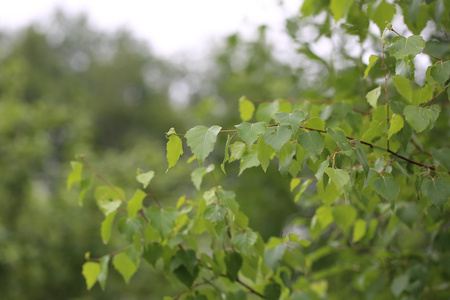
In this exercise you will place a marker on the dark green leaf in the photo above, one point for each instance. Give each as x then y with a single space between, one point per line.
272 291
152 252
437 191
341 140
441 72
233 261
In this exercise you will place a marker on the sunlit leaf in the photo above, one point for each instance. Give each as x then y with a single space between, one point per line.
125 266
359 230
372 60
174 150
135 203
90 272
373 95
246 108
75 175
403 87
106 227
395 125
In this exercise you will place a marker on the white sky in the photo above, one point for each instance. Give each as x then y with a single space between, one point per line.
171 26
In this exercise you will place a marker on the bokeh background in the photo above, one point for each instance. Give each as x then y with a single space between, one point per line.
99 79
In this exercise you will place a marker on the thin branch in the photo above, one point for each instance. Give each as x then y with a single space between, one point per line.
437 95
153 195
97 174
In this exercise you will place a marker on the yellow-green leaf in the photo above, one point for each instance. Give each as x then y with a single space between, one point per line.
174 150
135 203
359 230
90 272
106 227
372 60
75 175
145 178
395 125
373 95
246 108
125 266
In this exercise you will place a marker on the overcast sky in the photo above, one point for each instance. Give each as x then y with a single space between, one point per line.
171 26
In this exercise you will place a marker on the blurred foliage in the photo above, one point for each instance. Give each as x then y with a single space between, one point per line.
67 88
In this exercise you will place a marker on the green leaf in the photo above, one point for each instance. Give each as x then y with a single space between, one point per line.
294 119
418 117
344 216
125 266
163 220
215 213
277 136
129 227
324 216
75 175
226 156
399 284
85 185
237 150
341 140
361 156
246 108
340 8
198 174
272 291
387 188
104 263
152 252
302 189
108 193
395 125
373 95
265 152
145 178
339 177
90 272
273 255
311 141
266 111
201 140
106 227
233 261
108 206
422 95
186 258
249 132
135 203
185 277
441 72
402 47
244 240
249 160
382 13
359 230
174 150
437 191
372 60
403 87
